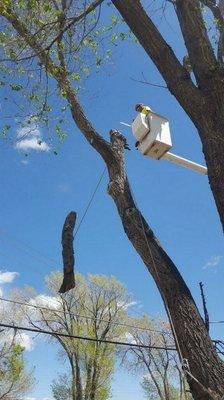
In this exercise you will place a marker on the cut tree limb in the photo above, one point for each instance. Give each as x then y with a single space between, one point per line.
68 253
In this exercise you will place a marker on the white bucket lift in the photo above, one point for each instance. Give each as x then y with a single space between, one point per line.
152 133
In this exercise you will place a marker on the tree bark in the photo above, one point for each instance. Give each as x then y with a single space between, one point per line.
76 379
68 253
194 342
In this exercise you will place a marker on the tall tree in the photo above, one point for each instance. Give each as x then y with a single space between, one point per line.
163 377
201 96
15 380
34 30
92 309
61 387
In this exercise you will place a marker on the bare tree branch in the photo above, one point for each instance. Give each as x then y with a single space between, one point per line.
206 314
75 19
218 12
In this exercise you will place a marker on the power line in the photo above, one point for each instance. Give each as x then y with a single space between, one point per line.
87 338
39 256
28 250
217 322
90 201
82 316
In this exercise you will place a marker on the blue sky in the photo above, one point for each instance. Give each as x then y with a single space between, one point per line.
39 190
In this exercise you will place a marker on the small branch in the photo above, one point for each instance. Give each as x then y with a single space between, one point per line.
145 82
76 19
217 11
68 253
206 314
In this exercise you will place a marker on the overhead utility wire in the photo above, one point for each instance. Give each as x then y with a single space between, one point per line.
90 201
29 250
118 343
81 316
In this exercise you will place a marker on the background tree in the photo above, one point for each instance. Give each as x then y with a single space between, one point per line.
15 380
163 377
32 31
92 309
61 388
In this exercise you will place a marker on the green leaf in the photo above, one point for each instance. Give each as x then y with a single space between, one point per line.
15 87
4 130
114 19
61 135
75 76
86 70
114 37
47 7
123 36
98 61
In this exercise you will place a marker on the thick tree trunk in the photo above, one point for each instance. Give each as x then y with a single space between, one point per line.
213 149
193 339
76 379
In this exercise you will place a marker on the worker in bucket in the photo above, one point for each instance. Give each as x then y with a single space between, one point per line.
141 108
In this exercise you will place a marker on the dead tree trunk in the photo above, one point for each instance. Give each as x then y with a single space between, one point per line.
194 342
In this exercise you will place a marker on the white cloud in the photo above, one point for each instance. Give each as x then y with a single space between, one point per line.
30 138
213 262
46 398
29 398
43 300
125 305
25 341
32 144
130 304
63 187
128 338
37 398
29 130
24 162
7 277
